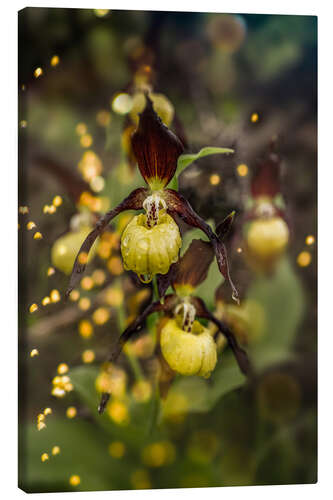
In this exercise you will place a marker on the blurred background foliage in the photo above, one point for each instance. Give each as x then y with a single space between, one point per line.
225 80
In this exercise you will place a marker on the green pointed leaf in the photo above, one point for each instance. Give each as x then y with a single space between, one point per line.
186 160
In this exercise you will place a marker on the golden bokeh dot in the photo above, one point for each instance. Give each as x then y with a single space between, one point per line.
57 201
44 457
50 271
101 316
47 411
87 283
31 225
304 259
38 236
242 170
310 239
55 450
55 60
23 123
85 328
23 210
97 184
33 308
86 140
62 368
46 301
118 411
98 277
34 353
71 412
83 258
254 117
114 297
115 266
88 356
55 296
81 129
74 480
84 304
38 72
101 12
74 295
214 179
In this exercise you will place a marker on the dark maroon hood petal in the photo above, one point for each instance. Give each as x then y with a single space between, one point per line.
266 179
192 268
132 202
155 147
177 204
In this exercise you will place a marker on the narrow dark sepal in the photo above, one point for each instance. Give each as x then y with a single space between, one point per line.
224 227
240 355
177 204
132 202
104 401
155 147
165 280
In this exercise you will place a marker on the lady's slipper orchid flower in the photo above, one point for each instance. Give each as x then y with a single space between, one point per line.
186 345
151 242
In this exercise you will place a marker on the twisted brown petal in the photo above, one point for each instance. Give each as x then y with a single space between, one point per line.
132 202
240 355
177 204
156 148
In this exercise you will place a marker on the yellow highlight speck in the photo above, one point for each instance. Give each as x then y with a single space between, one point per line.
101 12
47 411
34 352
31 225
57 201
98 277
97 184
309 240
44 457
103 118
86 140
254 117
84 304
74 480
41 426
50 271
214 179
55 295
242 170
71 412
87 283
23 210
23 123
33 308
54 60
83 258
38 72
62 368
81 128
46 301
38 236
304 259
88 356
74 296
55 450
101 316
85 328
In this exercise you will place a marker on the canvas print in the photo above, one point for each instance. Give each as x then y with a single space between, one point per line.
167 231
